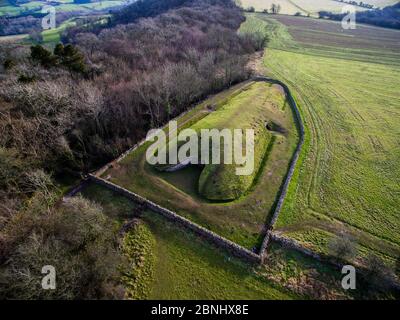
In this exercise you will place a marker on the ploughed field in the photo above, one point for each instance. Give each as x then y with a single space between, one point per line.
236 207
347 85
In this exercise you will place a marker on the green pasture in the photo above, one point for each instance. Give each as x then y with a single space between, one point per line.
348 178
244 111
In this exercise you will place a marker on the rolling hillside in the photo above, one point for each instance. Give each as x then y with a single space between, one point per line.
346 84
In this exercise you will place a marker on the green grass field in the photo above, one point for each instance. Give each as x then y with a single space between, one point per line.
348 179
241 220
53 35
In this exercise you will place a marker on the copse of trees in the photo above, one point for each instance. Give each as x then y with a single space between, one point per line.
151 8
357 3
250 9
144 9
275 8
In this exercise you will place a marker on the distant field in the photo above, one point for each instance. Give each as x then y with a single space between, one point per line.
382 3
306 7
241 220
183 265
50 37
347 85
15 38
316 32
7 8
61 6
53 35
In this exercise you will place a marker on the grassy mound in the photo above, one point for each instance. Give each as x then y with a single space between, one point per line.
247 110
345 181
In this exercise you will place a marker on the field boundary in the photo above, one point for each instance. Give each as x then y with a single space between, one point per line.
282 196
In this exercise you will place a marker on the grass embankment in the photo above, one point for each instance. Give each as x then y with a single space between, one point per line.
348 177
241 220
244 111
172 263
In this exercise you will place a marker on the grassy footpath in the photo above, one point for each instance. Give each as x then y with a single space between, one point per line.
349 173
188 268
244 111
8 9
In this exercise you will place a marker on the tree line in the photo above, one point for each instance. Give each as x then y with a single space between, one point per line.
73 108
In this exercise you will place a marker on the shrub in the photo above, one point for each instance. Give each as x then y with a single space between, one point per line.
43 56
342 247
9 64
379 275
75 238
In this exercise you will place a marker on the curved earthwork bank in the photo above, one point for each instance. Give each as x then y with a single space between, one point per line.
213 237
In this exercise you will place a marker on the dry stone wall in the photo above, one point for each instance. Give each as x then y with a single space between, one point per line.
212 237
